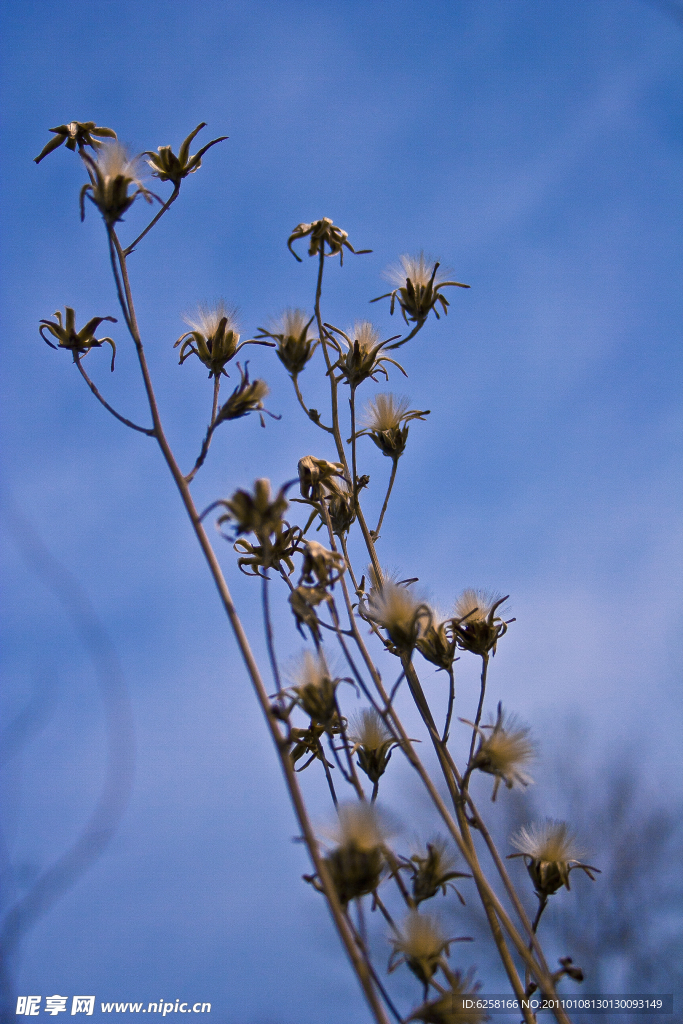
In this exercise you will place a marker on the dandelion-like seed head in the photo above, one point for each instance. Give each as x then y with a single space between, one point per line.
311 670
112 172
422 937
369 730
505 750
373 743
359 825
418 288
437 643
114 161
294 343
357 862
550 852
421 945
361 353
398 611
206 319
214 336
547 840
315 690
433 870
366 334
292 323
476 605
477 626
385 412
418 269
386 421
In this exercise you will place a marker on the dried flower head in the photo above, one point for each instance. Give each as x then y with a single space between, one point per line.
341 507
255 513
373 742
214 336
113 172
315 690
303 601
276 553
454 1006
168 167
437 644
399 612
360 353
504 750
307 741
77 342
318 476
247 397
358 860
385 421
295 344
76 134
550 852
417 289
421 945
323 232
477 627
433 871
321 565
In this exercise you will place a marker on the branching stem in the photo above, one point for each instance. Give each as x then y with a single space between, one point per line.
174 195
122 419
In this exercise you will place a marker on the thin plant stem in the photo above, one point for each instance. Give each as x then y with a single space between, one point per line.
451 701
344 547
352 774
206 444
354 474
385 914
328 776
477 720
378 981
268 625
122 419
305 408
542 904
174 195
396 875
394 467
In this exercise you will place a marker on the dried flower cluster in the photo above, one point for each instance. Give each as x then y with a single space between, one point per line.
352 735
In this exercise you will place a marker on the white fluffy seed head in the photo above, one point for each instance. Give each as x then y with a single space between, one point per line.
549 841
207 316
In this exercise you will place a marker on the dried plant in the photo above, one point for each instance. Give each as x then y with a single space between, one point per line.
369 621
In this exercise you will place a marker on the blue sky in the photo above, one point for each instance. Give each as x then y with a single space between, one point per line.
535 149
